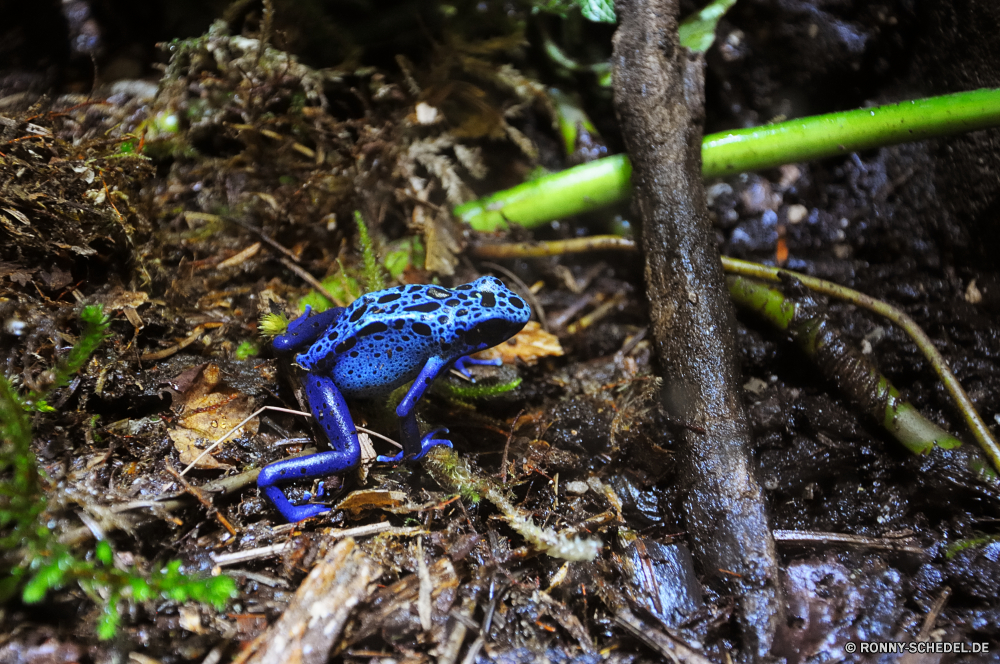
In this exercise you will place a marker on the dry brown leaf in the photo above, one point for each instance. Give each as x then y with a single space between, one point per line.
206 413
441 246
529 345
371 499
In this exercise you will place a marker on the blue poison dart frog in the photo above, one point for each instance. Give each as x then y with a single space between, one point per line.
381 341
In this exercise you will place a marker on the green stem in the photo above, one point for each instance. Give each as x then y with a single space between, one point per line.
579 189
605 181
828 135
924 343
855 375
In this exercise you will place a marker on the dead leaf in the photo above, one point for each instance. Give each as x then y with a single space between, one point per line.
370 499
441 245
529 345
190 619
206 412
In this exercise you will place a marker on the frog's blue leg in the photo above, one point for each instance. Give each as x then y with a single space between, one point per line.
306 329
330 410
415 447
465 359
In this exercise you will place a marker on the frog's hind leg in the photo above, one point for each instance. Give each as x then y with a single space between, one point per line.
330 410
306 329
415 447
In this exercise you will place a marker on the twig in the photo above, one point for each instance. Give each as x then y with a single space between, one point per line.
257 553
257 412
597 314
933 614
506 447
551 248
659 641
311 280
815 537
187 341
200 497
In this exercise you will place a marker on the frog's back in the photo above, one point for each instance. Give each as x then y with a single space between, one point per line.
381 341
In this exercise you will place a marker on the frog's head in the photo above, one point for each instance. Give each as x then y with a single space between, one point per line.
495 314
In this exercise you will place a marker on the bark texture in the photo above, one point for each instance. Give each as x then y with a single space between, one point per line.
315 617
659 99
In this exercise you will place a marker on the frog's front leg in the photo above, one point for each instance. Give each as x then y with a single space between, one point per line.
306 329
468 359
330 410
415 447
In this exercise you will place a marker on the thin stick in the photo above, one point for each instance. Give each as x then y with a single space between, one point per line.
280 410
815 537
552 248
311 280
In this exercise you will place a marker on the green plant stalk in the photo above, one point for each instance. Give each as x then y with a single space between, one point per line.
605 181
697 31
454 474
979 429
476 391
579 189
21 499
828 135
570 118
852 372
814 335
95 326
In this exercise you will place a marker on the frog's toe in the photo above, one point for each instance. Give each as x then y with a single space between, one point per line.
426 443
460 365
429 441
290 512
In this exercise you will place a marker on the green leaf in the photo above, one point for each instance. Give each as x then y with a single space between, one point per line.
107 626
598 11
104 553
697 32
141 592
221 589
344 288
48 577
246 349
402 254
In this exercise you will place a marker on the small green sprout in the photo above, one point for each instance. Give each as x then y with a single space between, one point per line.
374 279
248 349
271 325
32 559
